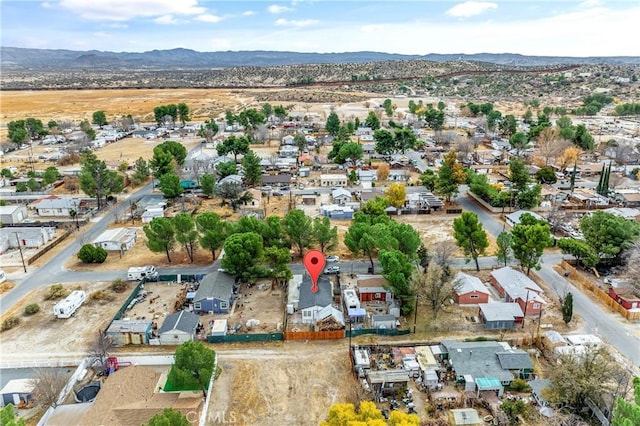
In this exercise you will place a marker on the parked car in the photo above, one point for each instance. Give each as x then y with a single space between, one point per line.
333 258
332 270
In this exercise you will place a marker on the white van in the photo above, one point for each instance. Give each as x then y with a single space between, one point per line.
150 273
3 276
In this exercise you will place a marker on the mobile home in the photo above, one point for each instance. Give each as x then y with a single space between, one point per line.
68 306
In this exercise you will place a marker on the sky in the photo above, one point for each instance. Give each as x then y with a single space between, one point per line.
418 27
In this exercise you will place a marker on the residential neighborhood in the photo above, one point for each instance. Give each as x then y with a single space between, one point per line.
479 256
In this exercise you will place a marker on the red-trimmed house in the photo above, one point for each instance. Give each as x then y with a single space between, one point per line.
626 295
372 288
469 290
514 286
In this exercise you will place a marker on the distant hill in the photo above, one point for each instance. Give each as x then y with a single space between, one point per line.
22 58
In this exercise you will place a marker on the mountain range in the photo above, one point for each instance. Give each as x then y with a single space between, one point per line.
56 59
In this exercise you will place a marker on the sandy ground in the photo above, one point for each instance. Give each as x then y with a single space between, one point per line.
290 383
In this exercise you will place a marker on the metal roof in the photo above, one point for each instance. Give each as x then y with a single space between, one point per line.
183 321
500 311
129 326
468 284
216 285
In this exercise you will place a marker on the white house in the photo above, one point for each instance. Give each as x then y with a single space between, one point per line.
178 328
333 180
151 213
117 239
310 303
10 215
341 196
26 237
54 206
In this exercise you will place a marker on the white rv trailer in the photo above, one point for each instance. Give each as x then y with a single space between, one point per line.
68 306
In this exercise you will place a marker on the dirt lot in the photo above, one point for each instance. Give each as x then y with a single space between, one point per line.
159 303
61 337
289 383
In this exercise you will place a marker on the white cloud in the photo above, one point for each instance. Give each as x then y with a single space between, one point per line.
210 18
591 3
46 5
165 20
124 10
219 44
276 9
295 23
102 34
248 13
470 8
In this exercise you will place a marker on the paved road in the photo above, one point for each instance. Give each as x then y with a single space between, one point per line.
611 327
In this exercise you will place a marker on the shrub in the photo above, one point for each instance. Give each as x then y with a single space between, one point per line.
56 291
91 254
514 408
101 296
119 286
519 385
31 308
9 323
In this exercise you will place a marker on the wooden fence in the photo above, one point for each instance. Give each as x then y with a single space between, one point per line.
584 283
314 335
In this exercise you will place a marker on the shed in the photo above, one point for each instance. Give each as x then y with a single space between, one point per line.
383 321
17 390
129 332
178 328
214 294
372 288
117 239
584 340
464 416
219 327
553 339
430 379
384 382
513 219
27 237
489 384
425 358
500 315
10 215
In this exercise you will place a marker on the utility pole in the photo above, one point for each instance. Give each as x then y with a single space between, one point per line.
415 315
525 309
21 255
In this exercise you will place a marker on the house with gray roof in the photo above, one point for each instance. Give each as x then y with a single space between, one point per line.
178 328
237 179
537 387
56 206
478 360
517 361
500 315
341 196
310 304
514 286
215 293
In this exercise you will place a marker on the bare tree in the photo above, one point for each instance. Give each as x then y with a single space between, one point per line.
435 286
443 251
463 148
99 350
48 383
550 145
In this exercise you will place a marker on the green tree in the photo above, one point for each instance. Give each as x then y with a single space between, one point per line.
33 185
208 130
385 143
508 125
50 175
17 132
514 409
226 169
230 117
212 232
628 413
278 262
324 234
367 235
234 145
504 252
397 270
470 236
96 180
546 175
332 126
298 228
266 109
407 238
176 149
183 113
89 253
208 185
583 138
372 121
193 366
168 417
530 238
170 185
519 142
252 169
186 234
429 180
162 162
608 234
450 176
300 141
518 174
404 139
21 187
434 118
99 118
141 172
243 254
161 237
280 112
8 417
251 119
586 255
343 151
567 308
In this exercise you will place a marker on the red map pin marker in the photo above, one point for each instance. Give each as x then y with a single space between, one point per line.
314 262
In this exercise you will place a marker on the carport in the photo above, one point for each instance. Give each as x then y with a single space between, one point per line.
489 384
